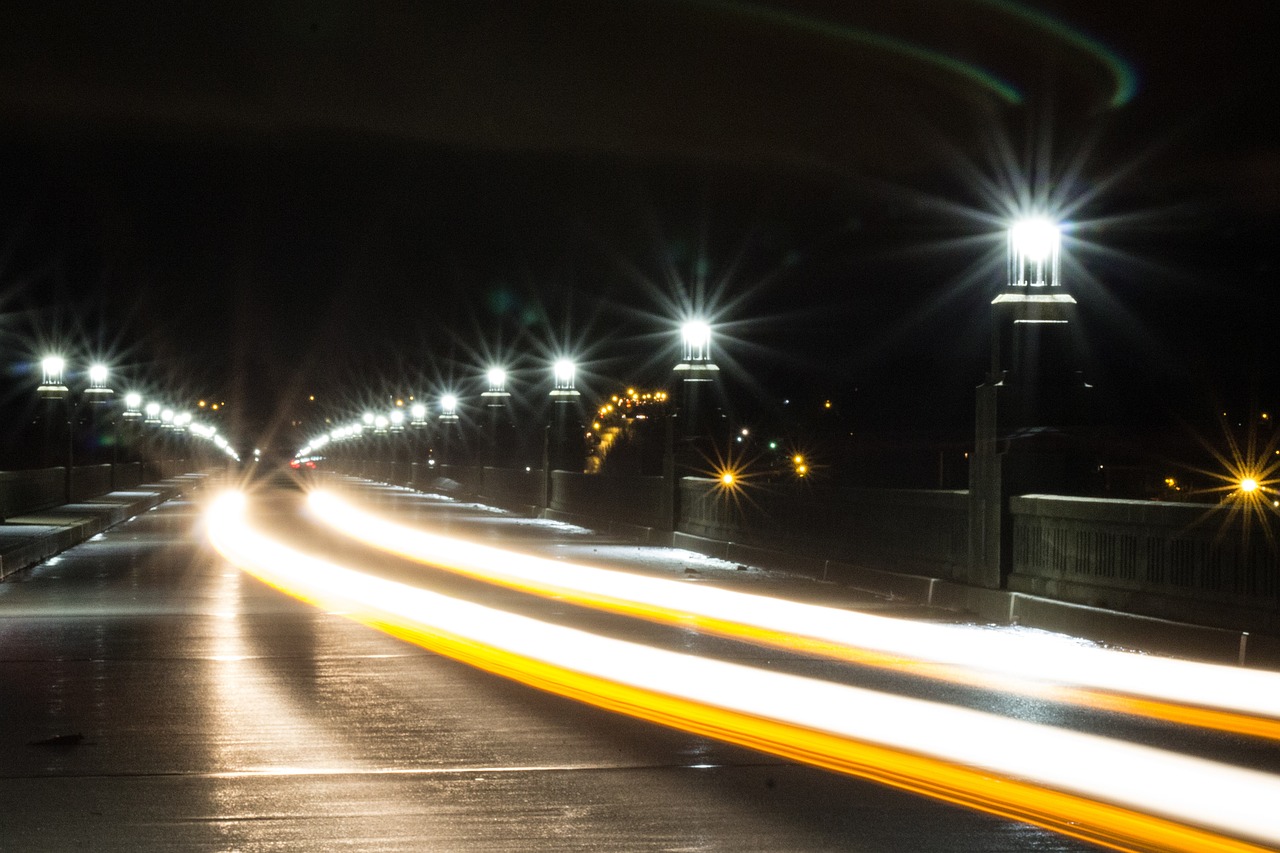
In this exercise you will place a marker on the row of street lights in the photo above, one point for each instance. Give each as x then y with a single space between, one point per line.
98 394
695 366
1032 305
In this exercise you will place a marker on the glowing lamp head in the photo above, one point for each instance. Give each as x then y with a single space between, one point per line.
1248 484
51 369
1036 238
565 370
53 365
418 412
449 404
727 478
497 379
696 335
133 402
98 375
367 418
396 417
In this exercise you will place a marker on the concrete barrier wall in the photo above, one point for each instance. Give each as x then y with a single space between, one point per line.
1175 561
31 491
165 469
89 481
917 532
513 487
639 501
1182 562
126 476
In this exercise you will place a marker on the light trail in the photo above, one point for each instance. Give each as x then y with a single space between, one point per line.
1205 695
1121 795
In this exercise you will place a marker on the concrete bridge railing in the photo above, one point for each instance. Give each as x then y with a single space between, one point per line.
1187 562
917 532
38 489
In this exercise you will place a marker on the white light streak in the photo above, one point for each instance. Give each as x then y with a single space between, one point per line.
1034 659
1157 798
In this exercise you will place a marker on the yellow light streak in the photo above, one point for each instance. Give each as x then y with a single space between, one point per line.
1125 796
1205 695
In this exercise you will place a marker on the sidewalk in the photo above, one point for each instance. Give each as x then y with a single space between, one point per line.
27 539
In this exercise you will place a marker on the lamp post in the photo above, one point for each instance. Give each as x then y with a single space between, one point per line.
395 419
127 432
419 425
697 375
1031 400
564 445
497 407
450 424
56 392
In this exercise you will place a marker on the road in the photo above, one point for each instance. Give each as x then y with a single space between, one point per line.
156 697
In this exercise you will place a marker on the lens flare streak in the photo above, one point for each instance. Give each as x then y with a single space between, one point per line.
1122 795
1205 695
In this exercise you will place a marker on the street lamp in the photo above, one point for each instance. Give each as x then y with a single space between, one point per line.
1034 293
396 417
53 387
564 372
98 391
151 414
696 365
1034 245
52 383
132 406
449 408
497 392
418 415
497 400
563 446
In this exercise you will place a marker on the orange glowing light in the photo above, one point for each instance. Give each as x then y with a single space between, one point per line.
1148 799
1222 698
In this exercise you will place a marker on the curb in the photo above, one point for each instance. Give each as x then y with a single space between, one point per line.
62 527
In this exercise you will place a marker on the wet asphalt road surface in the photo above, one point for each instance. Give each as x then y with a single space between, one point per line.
153 697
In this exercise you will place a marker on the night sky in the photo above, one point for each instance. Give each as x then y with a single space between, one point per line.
263 201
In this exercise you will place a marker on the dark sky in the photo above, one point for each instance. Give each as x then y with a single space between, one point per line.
262 201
